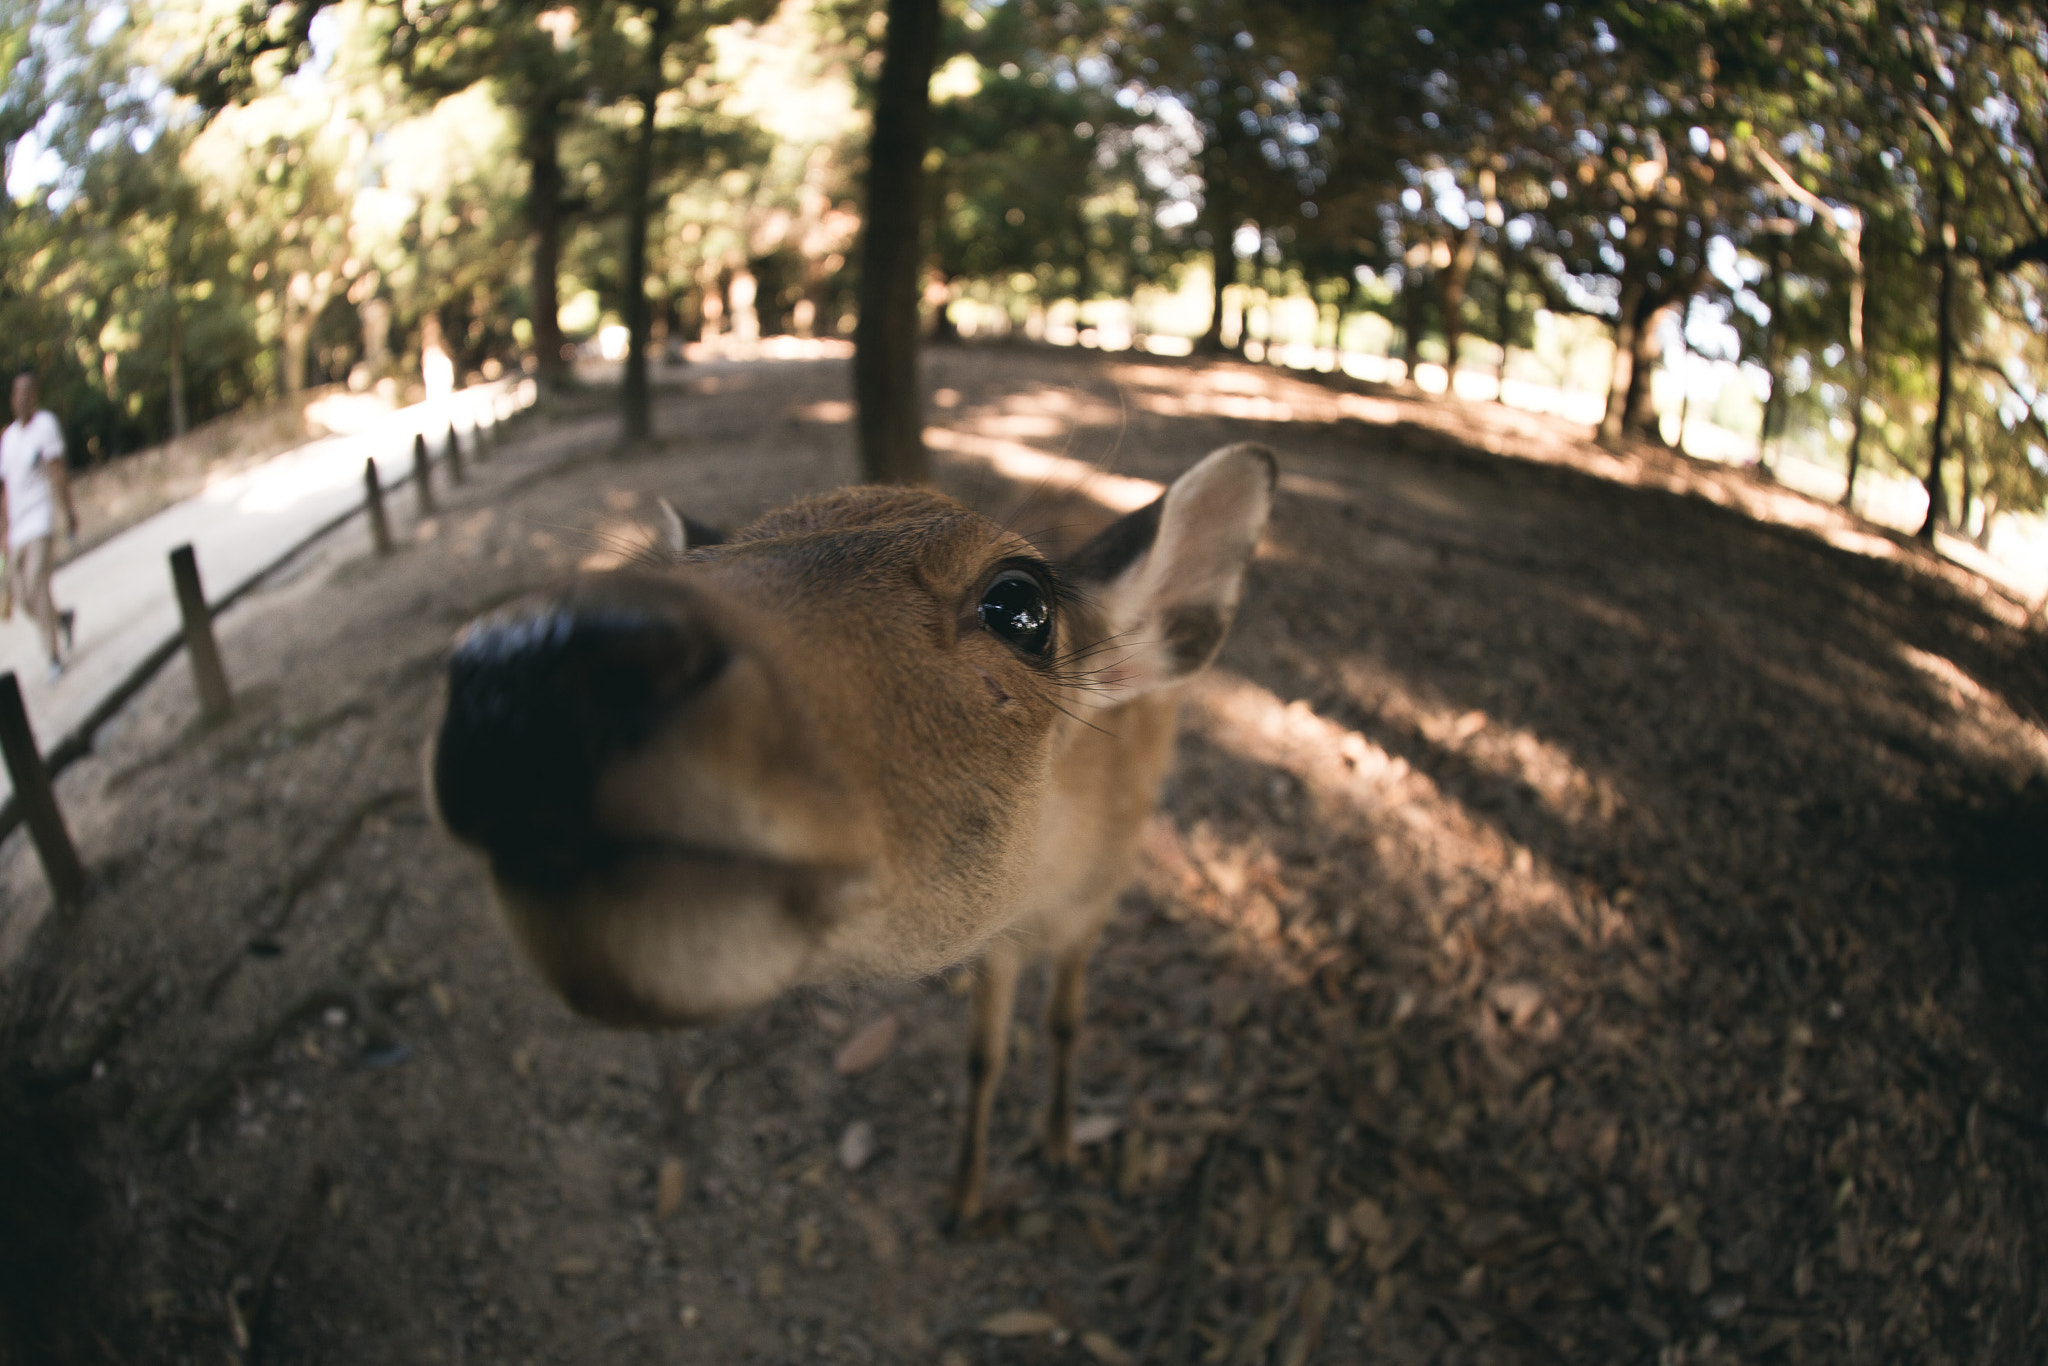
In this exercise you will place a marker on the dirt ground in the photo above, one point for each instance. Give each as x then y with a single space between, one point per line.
1598 915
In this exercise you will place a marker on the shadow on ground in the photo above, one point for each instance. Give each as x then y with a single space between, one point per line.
1586 923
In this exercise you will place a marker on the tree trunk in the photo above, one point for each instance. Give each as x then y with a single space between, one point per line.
885 381
944 329
742 311
1774 365
1412 318
1937 495
1222 252
1084 276
1856 430
179 419
1626 325
1859 360
544 214
374 317
1504 319
1969 504
1684 372
1336 314
1452 284
297 338
635 417
710 302
1222 275
1639 411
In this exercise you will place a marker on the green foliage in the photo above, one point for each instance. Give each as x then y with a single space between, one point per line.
1029 170
1455 166
115 276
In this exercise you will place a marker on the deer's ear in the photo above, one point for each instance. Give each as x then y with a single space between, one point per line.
1168 576
675 533
680 535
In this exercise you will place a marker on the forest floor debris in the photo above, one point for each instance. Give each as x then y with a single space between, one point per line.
1596 916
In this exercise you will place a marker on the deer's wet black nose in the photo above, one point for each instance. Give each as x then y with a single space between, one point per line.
538 703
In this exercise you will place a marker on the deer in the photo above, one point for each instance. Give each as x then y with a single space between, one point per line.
873 735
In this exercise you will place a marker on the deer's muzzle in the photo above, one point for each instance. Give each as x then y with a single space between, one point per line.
539 702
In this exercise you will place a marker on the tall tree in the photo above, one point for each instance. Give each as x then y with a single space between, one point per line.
664 45
540 57
1018 144
1233 66
888 398
1844 227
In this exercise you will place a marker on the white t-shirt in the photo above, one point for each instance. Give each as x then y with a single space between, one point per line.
24 449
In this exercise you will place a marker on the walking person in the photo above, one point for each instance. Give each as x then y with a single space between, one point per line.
33 484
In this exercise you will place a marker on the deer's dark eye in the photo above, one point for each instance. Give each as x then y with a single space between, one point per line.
1014 607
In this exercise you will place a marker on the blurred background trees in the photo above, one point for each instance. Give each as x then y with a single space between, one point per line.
1817 229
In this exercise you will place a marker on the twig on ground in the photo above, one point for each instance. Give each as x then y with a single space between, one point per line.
1194 1252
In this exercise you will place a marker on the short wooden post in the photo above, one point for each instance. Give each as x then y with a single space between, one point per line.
38 802
373 504
207 674
422 476
454 449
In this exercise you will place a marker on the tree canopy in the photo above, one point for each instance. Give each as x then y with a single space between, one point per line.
1849 194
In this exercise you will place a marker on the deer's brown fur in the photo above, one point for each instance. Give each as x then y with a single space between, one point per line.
811 754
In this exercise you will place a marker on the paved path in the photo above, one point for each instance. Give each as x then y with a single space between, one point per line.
121 588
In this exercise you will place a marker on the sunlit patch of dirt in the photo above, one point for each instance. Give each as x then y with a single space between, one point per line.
1221 389
1044 473
825 410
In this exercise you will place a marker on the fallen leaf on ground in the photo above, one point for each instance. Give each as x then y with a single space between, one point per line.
856 1145
1019 1323
1104 1349
1093 1129
883 1240
1487 1233
668 1187
868 1046
1369 1222
1307 1332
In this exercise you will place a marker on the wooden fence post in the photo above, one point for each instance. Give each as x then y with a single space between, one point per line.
207 674
38 803
422 476
454 455
373 504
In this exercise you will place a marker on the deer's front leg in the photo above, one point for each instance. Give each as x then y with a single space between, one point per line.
995 989
1069 1004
